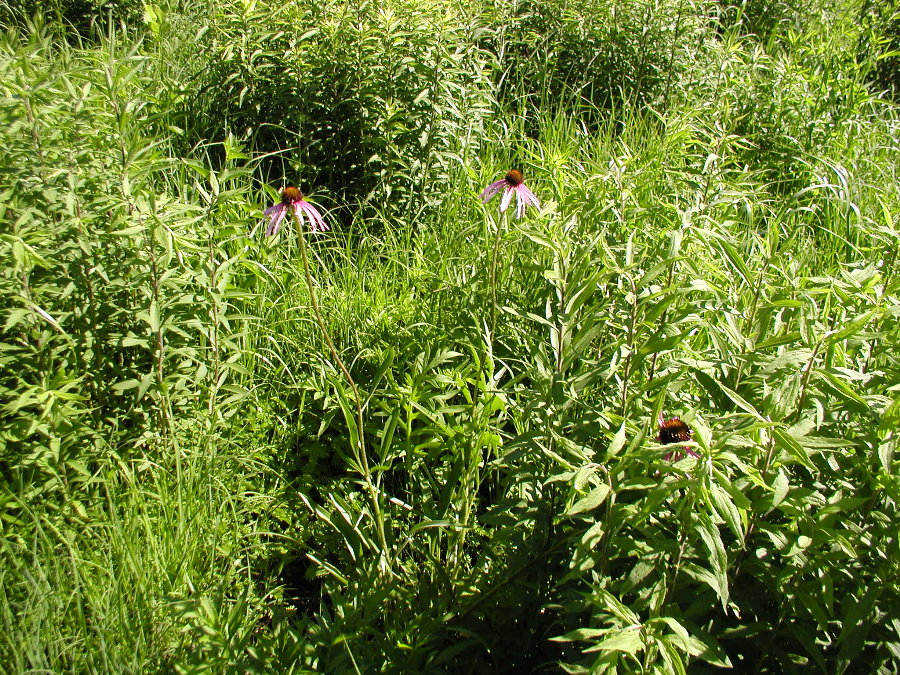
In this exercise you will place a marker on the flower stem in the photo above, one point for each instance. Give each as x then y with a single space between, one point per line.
495 254
362 459
686 508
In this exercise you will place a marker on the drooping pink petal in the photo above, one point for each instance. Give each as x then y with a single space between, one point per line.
316 222
529 196
676 455
507 198
524 197
276 213
488 193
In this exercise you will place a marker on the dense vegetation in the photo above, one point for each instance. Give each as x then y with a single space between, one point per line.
428 439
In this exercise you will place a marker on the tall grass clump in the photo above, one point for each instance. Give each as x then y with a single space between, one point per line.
594 56
74 19
881 42
124 345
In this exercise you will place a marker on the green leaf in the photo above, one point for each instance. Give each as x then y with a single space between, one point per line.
781 486
125 385
581 341
675 626
705 647
618 442
641 570
628 641
841 390
855 627
580 634
606 599
736 260
674 664
850 329
709 533
727 510
886 451
740 401
593 499
593 536
788 442
15 316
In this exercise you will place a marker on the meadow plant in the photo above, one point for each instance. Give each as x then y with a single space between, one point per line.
371 102
594 57
513 184
674 430
292 201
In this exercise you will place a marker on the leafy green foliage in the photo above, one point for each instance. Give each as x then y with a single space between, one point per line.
596 55
75 19
426 440
373 101
882 42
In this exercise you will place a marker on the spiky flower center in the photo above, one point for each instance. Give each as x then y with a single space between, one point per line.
290 195
673 430
515 178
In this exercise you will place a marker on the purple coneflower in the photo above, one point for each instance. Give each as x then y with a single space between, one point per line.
514 181
292 198
674 430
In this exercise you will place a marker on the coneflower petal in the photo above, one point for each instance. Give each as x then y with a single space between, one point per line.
529 196
507 198
316 222
512 182
488 193
277 215
302 215
520 203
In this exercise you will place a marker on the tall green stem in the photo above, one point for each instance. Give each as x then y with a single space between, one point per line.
495 254
362 459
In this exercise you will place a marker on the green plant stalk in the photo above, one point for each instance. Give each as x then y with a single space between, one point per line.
170 436
807 372
493 280
754 517
632 330
683 520
360 451
471 479
662 322
751 315
86 265
25 276
672 55
608 509
214 337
